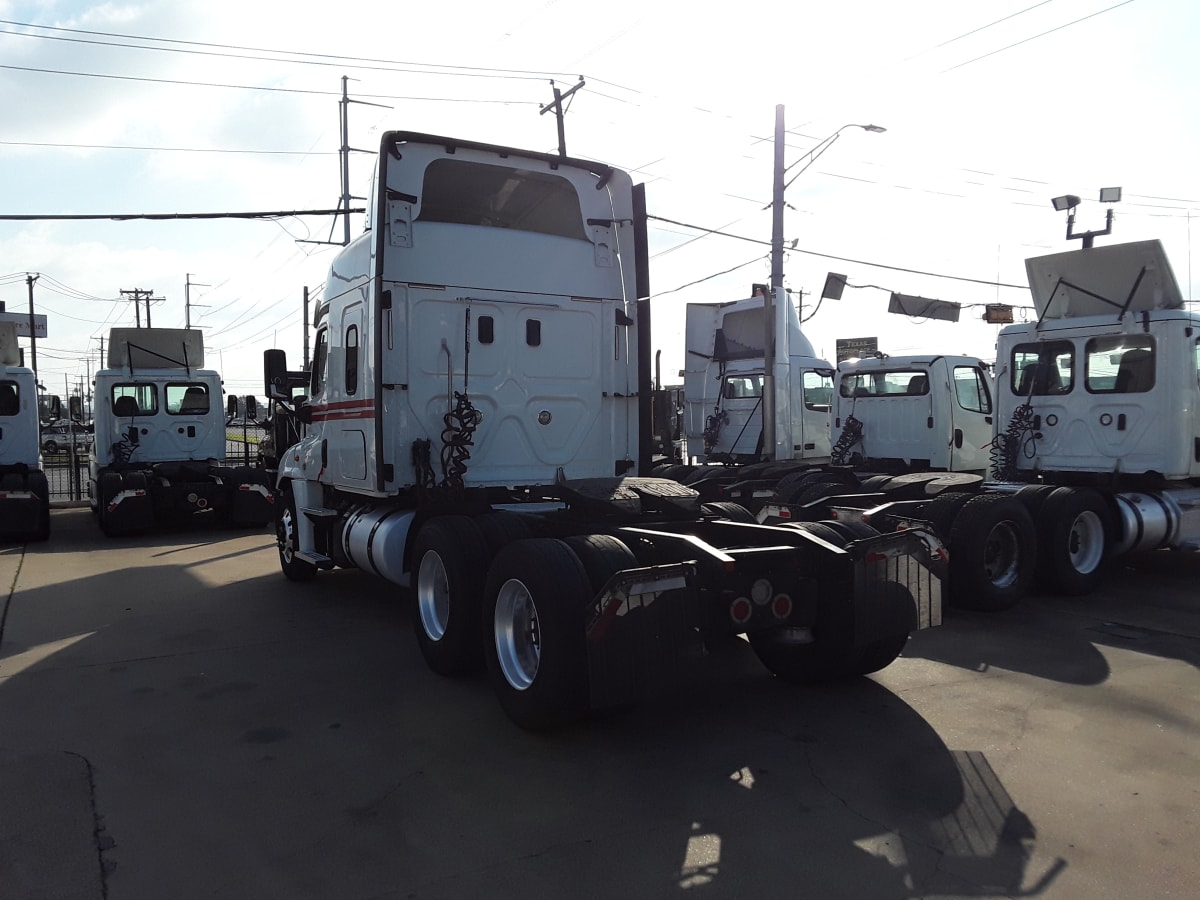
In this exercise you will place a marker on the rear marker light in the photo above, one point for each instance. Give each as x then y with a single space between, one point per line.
740 610
781 606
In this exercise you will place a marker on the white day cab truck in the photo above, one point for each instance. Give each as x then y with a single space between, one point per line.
909 428
893 415
24 489
475 429
1096 445
159 451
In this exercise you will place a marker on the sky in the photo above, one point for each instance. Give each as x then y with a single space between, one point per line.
990 110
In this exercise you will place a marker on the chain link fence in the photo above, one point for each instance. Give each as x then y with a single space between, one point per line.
67 468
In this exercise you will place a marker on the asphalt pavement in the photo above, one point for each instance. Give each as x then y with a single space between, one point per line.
179 721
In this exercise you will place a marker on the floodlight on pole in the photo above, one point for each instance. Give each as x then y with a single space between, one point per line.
1068 202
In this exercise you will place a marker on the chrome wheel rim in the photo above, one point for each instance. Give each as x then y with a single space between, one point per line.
287 536
1085 542
1002 555
518 639
433 595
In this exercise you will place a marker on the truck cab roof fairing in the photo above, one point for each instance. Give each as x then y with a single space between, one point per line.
1118 278
394 140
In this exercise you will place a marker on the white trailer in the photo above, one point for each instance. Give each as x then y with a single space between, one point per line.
159 448
477 429
24 490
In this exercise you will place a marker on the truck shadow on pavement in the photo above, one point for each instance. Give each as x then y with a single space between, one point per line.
1146 606
251 737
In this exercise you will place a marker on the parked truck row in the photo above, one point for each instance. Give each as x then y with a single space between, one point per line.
1083 447
482 430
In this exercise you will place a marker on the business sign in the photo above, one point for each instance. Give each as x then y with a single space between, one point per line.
856 348
21 320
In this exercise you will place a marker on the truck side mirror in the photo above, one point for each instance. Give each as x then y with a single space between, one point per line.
231 408
251 408
275 375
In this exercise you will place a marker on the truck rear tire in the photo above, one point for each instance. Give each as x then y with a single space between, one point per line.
40 486
294 568
449 561
534 646
1075 533
109 487
602 556
941 511
897 609
501 528
992 546
827 651
726 509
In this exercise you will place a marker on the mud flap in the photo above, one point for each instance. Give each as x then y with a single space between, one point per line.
914 559
641 628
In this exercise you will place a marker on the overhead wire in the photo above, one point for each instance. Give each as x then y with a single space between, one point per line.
1036 36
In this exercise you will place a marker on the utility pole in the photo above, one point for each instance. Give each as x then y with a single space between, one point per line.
187 301
344 156
138 294
775 295
560 113
306 328
29 280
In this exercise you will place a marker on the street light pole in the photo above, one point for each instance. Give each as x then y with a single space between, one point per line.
775 298
772 296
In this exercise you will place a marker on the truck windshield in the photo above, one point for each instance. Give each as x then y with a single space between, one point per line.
468 193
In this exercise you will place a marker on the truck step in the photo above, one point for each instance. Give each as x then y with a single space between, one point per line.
320 560
318 512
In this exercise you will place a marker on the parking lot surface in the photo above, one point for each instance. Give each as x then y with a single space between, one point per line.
177 720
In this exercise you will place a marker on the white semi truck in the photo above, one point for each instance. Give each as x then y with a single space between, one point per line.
159 449
1099 410
476 429
881 414
884 429
724 377
24 488
1095 451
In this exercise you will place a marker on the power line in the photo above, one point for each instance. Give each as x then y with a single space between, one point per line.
254 87
1036 36
123 217
318 59
166 149
859 262
979 29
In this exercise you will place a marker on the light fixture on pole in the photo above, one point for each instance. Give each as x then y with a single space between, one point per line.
1068 202
821 146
